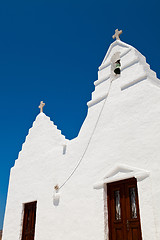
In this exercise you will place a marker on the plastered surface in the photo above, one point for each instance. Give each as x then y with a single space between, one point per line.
127 133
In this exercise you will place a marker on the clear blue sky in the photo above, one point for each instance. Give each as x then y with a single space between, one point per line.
50 51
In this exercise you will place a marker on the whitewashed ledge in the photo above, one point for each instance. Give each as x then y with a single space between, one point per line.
125 52
134 61
104 65
133 82
97 82
97 100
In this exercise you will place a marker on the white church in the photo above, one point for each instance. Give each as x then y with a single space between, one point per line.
105 183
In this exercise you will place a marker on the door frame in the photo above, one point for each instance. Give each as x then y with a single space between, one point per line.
116 173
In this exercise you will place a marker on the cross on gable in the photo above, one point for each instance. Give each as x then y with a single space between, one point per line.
117 34
41 106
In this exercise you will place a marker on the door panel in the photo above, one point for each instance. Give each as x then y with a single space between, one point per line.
119 234
123 210
132 210
29 221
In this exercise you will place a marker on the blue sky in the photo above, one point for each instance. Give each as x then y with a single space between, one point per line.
50 51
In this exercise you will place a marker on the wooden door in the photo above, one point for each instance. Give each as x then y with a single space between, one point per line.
123 210
29 221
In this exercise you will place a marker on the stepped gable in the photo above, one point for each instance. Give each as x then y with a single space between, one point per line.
134 69
43 136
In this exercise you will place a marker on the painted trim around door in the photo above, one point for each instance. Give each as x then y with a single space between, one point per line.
122 172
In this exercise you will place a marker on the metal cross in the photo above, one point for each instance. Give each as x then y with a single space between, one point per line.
117 34
41 106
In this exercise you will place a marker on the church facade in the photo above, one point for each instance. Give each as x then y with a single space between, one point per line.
105 183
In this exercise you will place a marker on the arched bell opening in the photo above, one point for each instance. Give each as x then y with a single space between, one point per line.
116 65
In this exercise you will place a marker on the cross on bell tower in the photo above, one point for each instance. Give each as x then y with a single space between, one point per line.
117 34
41 106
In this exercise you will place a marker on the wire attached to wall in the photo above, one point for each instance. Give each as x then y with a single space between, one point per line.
57 188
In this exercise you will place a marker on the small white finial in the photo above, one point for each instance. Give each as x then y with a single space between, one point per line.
42 104
117 34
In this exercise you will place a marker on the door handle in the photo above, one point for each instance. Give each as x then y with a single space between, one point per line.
127 225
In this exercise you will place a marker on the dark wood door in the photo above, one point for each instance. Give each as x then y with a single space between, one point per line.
123 210
29 221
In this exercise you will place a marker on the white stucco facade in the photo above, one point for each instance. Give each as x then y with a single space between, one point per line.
119 139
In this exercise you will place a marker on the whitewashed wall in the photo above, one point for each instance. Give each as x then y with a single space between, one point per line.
122 127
